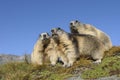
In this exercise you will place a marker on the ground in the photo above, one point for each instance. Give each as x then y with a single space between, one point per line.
83 69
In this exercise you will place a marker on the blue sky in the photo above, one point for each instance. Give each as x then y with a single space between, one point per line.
21 21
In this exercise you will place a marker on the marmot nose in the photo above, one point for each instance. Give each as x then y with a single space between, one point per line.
52 30
44 35
71 23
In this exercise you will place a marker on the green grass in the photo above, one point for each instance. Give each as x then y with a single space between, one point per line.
24 71
109 66
14 71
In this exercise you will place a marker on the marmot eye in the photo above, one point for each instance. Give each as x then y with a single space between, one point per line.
47 34
59 28
71 23
39 35
76 21
52 30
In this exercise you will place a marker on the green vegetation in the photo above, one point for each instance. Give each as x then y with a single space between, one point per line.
25 71
109 66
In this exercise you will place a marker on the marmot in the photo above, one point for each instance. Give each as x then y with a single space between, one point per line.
39 48
78 27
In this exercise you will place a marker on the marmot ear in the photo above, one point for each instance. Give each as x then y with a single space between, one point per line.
39 35
48 34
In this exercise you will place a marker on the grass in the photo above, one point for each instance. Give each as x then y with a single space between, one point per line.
110 65
25 71
14 71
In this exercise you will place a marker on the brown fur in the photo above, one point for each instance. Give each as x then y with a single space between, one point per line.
65 45
77 27
45 51
89 45
39 48
54 53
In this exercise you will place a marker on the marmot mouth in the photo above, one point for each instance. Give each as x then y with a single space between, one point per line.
54 35
45 39
72 27
74 30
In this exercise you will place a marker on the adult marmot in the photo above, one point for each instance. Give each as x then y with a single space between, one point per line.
77 27
66 45
39 48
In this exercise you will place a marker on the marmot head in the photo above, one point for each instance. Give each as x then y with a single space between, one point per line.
45 37
57 31
74 25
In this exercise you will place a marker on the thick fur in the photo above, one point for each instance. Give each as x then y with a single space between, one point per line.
46 50
89 45
37 55
77 27
65 45
54 53
50 52
74 45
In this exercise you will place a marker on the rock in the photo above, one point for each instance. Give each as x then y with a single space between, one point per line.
4 58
